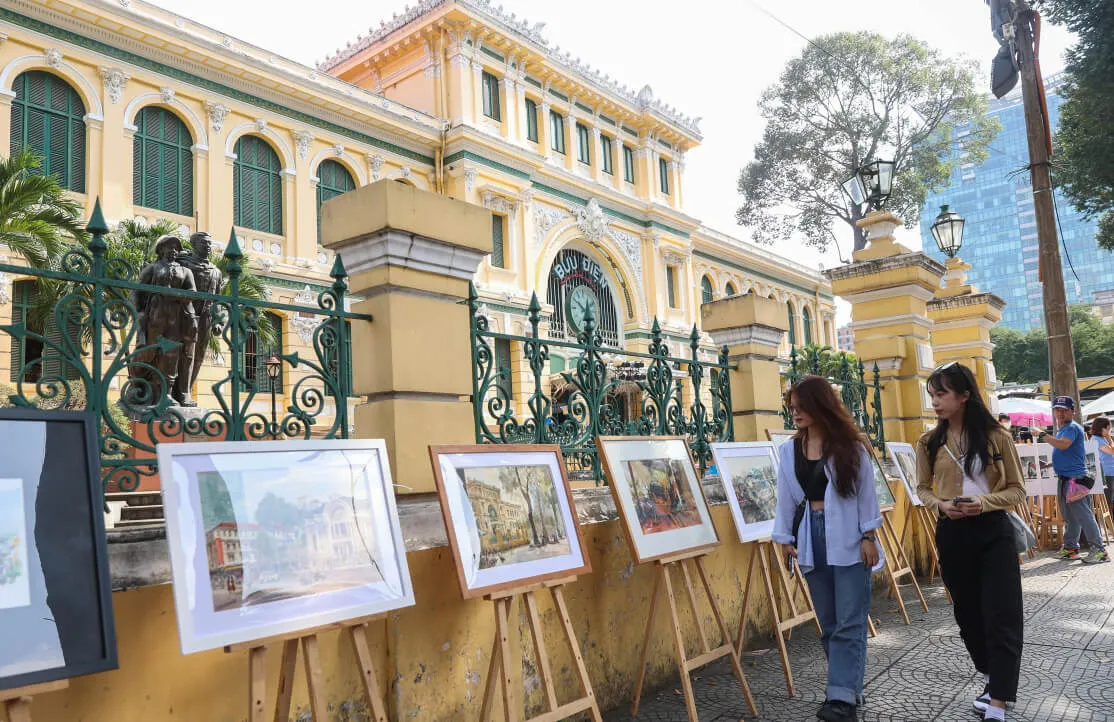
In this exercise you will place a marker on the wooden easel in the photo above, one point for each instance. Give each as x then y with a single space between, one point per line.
17 700
356 630
707 655
766 555
501 658
922 518
1103 516
897 564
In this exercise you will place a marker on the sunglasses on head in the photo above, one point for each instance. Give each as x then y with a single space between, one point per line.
945 367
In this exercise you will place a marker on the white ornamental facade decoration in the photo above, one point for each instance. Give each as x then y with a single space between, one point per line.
470 179
545 218
499 204
590 220
302 139
53 58
217 113
376 163
167 95
114 82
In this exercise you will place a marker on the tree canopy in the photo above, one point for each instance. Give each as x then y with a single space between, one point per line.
847 99
1084 161
1023 357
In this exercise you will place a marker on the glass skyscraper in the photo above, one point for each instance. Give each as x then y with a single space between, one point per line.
1000 240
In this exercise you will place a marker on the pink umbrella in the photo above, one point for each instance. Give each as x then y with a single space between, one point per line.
1029 418
1027 412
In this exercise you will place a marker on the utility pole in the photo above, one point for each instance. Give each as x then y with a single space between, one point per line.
1061 355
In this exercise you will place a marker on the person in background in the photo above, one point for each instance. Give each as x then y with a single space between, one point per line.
969 474
827 506
1069 459
1004 420
1100 429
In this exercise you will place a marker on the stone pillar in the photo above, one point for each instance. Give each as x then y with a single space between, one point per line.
6 98
509 98
571 145
477 92
962 318
456 85
545 130
889 287
751 327
410 255
596 155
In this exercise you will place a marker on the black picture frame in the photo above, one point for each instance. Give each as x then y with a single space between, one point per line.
72 555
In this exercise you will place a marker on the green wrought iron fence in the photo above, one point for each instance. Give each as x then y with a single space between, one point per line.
862 398
92 354
606 392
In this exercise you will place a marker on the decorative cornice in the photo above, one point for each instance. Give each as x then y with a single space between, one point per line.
971 299
881 265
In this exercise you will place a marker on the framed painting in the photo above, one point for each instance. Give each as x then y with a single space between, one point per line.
905 459
780 437
1035 484
1044 459
748 471
882 488
658 494
56 618
269 538
509 515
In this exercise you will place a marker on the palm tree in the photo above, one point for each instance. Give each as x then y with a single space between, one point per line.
38 218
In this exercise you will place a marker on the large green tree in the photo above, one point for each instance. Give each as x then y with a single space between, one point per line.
847 99
1084 161
1023 357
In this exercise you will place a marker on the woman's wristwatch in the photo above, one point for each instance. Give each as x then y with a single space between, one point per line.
869 536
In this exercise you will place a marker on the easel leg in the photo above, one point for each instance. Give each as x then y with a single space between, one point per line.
726 636
18 710
570 635
679 647
503 633
768 582
358 634
286 680
692 602
312 659
493 668
740 635
539 650
257 684
873 630
646 641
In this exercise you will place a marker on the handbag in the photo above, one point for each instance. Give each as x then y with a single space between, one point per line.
1023 537
1076 488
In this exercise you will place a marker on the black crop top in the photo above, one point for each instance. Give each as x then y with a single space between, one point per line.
810 473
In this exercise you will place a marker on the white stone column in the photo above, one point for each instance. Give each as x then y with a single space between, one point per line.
545 130
597 154
508 97
570 138
477 93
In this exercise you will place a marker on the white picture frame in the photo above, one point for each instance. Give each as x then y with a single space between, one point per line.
270 538
509 515
748 471
652 536
905 460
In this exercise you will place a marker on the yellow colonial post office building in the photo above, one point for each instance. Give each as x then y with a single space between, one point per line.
161 117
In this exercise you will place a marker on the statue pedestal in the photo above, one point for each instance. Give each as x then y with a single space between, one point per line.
149 434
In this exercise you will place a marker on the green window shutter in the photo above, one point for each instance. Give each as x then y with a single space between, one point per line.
333 179
162 162
22 296
491 96
731 291
583 145
605 151
531 120
257 186
49 118
706 292
670 286
503 365
792 325
628 164
256 355
557 123
497 248
807 323
663 174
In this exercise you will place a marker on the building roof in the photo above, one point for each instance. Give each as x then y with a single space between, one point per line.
529 35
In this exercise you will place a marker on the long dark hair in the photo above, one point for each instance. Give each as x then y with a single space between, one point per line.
977 419
814 396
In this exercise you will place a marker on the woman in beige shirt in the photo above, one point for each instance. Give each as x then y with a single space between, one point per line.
968 473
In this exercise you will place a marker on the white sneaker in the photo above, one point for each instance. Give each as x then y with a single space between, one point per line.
983 700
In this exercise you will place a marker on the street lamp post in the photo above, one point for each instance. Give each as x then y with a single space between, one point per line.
871 185
948 231
274 368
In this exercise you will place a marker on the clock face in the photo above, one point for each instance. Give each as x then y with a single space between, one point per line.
577 304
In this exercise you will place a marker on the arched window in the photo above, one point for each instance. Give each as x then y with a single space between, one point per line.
257 186
48 117
807 323
706 292
731 290
333 179
162 162
256 355
792 325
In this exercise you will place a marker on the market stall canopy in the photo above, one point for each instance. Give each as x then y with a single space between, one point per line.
1101 406
1026 412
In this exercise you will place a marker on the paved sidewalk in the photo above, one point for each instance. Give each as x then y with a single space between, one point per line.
921 672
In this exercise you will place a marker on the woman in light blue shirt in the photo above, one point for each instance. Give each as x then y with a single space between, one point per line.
827 512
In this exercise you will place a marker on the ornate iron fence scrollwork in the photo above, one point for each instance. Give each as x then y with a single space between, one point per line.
605 392
98 361
862 398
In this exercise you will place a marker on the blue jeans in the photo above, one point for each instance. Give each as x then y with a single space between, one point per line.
841 596
1079 516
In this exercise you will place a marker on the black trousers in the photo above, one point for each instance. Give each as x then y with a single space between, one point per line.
980 569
